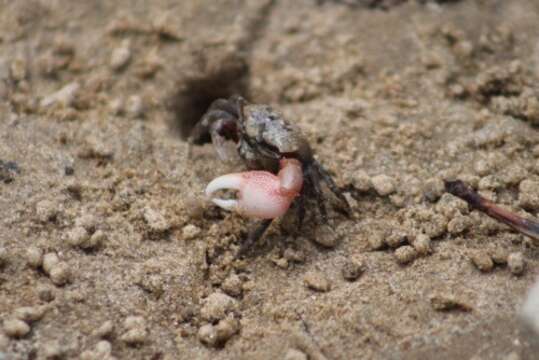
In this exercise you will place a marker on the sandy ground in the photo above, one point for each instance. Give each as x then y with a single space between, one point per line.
107 249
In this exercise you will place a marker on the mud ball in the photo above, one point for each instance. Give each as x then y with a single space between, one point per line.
482 261
383 184
316 280
16 328
405 254
352 269
516 263
34 257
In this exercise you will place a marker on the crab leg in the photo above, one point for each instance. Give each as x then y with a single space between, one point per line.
261 194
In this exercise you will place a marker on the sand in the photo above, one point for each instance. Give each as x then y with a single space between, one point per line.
108 249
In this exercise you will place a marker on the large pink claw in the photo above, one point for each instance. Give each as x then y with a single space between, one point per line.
261 194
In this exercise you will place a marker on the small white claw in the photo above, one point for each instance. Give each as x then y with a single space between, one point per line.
261 194
229 205
229 181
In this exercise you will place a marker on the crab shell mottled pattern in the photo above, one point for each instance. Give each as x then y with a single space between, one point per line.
267 126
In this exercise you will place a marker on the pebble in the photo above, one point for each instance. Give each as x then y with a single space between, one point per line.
376 240
132 322
65 96
60 274
326 236
101 351
136 330
514 174
226 328
134 107
405 254
482 167
451 206
436 226
78 236
105 329
499 256
316 280
75 296
396 238
516 263
134 336
219 334
281 262
52 350
45 293
433 189
293 255
232 285
294 354
362 181
489 182
121 56
103 347
16 328
87 221
50 260
97 238
155 220
3 256
458 225
482 261
96 147
194 206
190 231
470 179
117 106
422 244
30 314
397 200
528 196
383 184
207 334
149 65
46 211
34 257
217 306
352 269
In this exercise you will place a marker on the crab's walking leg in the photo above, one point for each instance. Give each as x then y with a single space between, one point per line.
326 177
301 210
476 201
314 178
254 234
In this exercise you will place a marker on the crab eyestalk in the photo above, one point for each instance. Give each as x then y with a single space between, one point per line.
261 194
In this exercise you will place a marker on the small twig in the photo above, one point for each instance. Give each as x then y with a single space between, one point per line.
476 201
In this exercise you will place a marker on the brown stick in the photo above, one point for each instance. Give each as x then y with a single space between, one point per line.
476 201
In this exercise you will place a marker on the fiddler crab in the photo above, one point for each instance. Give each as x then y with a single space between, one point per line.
283 168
